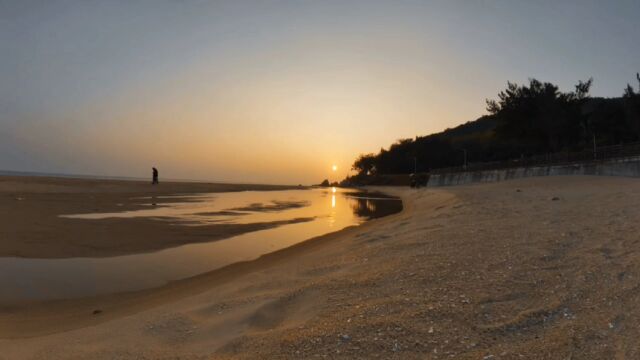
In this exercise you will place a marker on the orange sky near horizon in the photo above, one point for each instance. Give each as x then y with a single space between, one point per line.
274 92
280 124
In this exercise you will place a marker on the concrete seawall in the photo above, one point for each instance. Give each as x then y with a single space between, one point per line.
629 167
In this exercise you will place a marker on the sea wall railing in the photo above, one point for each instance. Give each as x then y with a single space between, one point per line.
560 158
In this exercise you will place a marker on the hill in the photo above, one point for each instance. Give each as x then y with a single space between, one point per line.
525 120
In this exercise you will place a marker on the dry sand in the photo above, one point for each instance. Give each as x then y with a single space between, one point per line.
541 268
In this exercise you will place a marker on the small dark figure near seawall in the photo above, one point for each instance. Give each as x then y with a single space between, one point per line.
155 177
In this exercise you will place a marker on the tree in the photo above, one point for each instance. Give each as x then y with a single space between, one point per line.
631 101
537 117
629 92
365 164
530 119
582 90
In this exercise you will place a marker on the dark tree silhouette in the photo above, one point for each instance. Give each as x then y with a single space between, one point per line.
524 120
631 101
365 164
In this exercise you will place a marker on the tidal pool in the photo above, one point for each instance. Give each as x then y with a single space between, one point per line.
311 213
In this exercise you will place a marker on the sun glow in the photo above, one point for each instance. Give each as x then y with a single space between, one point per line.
334 168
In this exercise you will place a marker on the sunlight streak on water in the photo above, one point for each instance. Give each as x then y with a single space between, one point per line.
38 279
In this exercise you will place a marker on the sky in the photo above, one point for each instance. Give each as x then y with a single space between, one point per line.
276 91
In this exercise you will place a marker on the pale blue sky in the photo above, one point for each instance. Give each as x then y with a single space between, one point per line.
278 91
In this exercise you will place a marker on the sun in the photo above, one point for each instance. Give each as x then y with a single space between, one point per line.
334 167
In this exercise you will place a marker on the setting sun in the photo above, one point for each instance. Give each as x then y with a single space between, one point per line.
334 167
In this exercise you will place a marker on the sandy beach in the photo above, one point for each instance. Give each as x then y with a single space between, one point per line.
31 226
540 268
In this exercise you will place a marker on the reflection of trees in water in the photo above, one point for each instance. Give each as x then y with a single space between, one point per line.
370 209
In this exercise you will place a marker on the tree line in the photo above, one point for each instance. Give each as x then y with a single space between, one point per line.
525 120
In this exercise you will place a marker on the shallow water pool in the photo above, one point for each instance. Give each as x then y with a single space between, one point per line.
304 213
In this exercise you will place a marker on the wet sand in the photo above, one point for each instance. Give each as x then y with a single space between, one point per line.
539 268
30 225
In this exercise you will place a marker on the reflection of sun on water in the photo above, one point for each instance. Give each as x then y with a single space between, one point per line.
332 215
333 197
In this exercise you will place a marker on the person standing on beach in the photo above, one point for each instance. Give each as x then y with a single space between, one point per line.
155 176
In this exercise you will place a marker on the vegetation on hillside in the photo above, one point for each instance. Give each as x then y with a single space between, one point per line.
524 120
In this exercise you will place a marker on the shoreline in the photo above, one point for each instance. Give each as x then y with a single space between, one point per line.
64 315
32 226
540 268
35 174
39 184
38 318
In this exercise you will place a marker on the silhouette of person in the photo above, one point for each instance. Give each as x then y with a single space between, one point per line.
155 176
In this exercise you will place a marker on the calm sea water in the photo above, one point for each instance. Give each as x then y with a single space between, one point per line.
323 211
